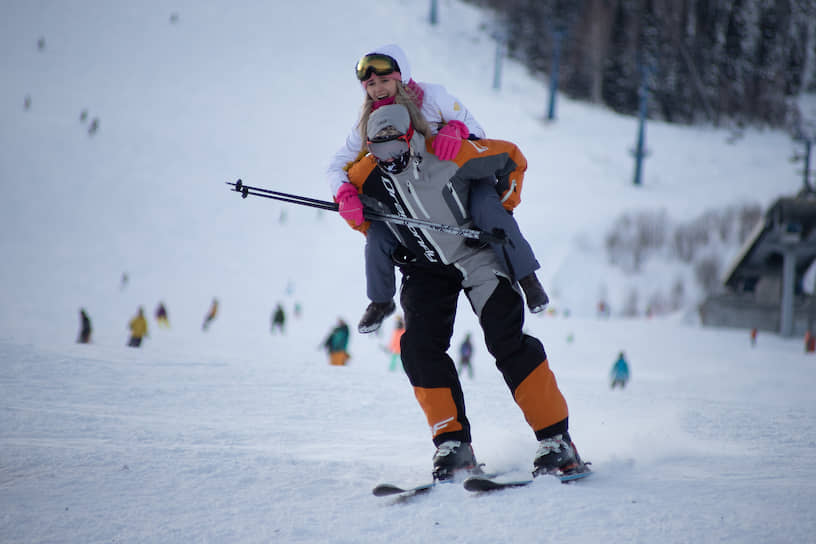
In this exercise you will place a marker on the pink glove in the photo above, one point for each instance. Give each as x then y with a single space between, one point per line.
351 209
449 140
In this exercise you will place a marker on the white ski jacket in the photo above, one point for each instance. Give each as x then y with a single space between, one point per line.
438 107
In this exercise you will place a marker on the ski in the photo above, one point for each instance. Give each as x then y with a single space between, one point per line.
486 483
480 483
388 490
475 482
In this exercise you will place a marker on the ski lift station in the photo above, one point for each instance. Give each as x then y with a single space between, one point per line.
766 286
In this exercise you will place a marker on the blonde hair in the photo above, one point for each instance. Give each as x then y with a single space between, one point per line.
404 96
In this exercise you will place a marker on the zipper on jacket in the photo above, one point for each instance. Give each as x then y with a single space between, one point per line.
510 191
408 211
416 200
457 200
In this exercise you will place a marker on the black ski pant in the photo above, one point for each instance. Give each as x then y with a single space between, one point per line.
429 299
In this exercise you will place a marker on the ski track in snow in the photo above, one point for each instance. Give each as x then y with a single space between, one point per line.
160 450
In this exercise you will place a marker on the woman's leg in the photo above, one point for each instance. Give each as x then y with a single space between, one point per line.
380 281
488 214
380 244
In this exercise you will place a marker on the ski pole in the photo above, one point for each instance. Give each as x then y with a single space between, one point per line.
476 234
246 190
496 237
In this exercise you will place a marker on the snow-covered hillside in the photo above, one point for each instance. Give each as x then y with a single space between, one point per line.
236 435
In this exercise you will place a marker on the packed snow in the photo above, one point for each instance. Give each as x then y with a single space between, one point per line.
240 435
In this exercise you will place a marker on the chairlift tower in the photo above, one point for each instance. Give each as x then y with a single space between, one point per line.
640 151
501 45
559 31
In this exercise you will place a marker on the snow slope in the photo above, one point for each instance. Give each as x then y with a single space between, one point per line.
237 435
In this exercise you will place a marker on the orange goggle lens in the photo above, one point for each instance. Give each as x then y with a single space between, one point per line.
382 65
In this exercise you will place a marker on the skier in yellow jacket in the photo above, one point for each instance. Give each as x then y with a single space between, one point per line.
138 329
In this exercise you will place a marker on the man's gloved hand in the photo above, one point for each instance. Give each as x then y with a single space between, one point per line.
449 140
351 209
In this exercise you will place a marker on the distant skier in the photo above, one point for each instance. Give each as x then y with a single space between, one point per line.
810 342
84 328
337 342
161 315
753 337
465 354
278 319
394 344
210 314
620 372
138 329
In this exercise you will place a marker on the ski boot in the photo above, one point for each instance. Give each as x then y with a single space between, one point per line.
374 315
452 456
537 298
557 455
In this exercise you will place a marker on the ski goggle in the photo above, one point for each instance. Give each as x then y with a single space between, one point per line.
380 64
392 148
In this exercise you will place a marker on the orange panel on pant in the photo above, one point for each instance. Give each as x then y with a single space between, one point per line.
540 399
439 408
338 358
